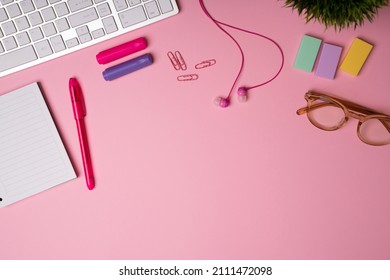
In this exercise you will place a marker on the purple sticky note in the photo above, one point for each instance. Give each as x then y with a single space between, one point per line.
329 60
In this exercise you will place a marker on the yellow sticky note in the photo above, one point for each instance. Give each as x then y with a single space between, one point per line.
356 56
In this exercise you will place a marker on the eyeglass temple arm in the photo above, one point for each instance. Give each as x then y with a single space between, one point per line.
356 107
304 110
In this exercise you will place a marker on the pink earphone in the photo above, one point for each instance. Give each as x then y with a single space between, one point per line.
242 92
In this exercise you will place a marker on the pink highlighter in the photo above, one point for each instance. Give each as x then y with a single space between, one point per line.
122 50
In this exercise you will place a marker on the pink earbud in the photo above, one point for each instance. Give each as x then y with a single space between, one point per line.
242 93
222 102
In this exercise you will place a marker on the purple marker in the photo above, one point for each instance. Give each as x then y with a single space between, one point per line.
127 67
329 60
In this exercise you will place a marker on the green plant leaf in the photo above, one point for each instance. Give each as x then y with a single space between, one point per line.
339 14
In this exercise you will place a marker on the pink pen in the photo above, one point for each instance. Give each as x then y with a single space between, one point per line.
80 112
122 50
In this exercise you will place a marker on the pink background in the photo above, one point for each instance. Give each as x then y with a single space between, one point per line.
178 178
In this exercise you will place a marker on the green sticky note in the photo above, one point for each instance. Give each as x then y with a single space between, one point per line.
307 53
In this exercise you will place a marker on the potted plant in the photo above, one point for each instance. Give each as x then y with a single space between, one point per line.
337 13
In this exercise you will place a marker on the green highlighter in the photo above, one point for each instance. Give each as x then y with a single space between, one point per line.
307 53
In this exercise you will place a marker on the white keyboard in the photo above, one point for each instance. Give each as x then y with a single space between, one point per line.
35 31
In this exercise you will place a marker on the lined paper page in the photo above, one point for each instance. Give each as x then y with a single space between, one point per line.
32 155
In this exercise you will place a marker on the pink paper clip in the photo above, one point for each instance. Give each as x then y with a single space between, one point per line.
189 77
205 63
180 59
174 61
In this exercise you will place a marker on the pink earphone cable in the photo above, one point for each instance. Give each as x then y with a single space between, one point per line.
218 23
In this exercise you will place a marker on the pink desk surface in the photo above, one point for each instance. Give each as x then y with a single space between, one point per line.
178 178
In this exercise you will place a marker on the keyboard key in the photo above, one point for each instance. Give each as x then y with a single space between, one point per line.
54 1
165 5
40 3
49 29
14 10
83 17
61 9
82 30
58 43
120 5
134 2
1 48
132 16
22 38
8 28
1 33
72 42
77 5
98 33
9 43
104 10
62 24
35 34
109 25
22 23
85 38
27 6
17 57
35 18
5 2
48 14
43 48
3 15
152 9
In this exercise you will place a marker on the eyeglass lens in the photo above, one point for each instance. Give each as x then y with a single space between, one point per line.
374 131
326 115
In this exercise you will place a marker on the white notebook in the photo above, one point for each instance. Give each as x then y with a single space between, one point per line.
32 155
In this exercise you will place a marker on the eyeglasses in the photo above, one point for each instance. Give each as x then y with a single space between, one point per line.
330 113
